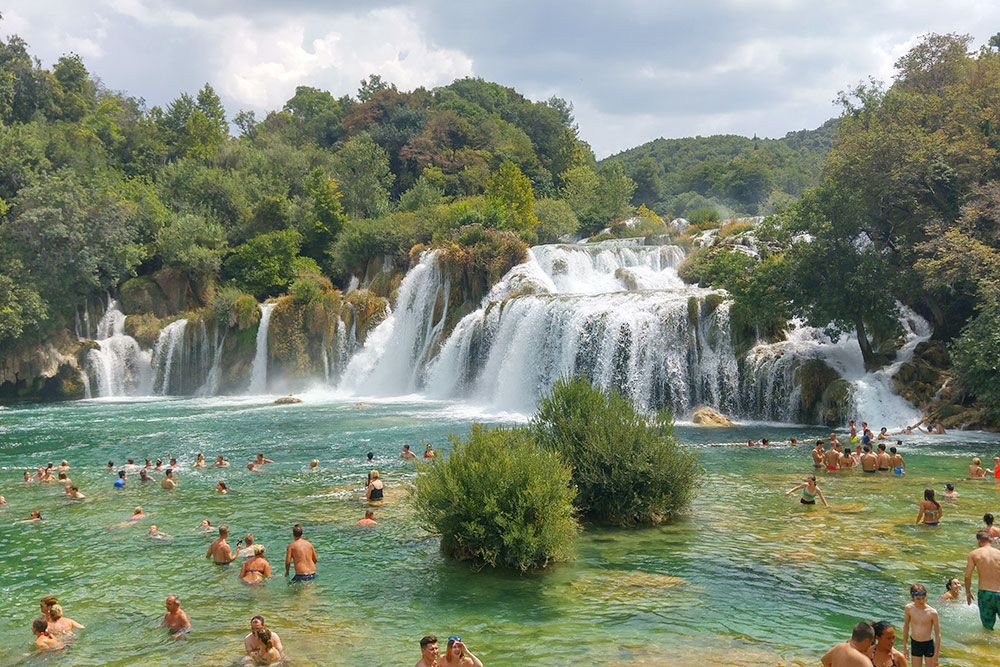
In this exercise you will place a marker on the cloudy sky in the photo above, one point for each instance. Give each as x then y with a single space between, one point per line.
634 69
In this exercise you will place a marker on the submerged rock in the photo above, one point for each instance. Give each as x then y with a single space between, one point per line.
706 416
287 400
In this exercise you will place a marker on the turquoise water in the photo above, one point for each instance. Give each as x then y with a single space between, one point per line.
747 577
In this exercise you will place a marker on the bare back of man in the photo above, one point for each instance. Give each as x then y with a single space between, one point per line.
845 655
303 554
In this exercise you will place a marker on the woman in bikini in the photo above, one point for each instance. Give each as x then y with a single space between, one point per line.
199 462
267 654
884 653
930 509
975 470
809 492
44 640
256 569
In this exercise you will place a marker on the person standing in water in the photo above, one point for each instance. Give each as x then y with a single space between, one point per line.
374 492
407 454
304 555
176 619
869 462
44 640
884 460
169 481
976 470
817 454
59 624
986 560
898 466
832 458
257 569
930 509
994 532
809 492
922 619
219 550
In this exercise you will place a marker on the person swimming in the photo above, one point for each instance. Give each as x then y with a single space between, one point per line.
930 510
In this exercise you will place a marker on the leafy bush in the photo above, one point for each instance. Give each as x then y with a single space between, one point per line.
556 220
627 466
703 215
192 243
499 500
264 266
232 308
975 354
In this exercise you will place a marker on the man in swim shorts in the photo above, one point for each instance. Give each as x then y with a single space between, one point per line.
304 555
884 460
986 560
817 454
176 619
832 458
869 462
219 551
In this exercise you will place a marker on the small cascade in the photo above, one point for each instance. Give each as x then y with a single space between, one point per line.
211 384
117 367
395 352
258 372
168 355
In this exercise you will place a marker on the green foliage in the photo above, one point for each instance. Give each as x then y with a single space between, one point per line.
975 353
232 308
22 310
598 198
191 243
702 215
422 194
263 266
510 191
627 466
556 220
499 500
362 170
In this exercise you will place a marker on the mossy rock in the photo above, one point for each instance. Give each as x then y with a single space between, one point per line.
145 328
934 352
693 308
744 335
628 279
142 295
85 347
835 405
815 377
287 340
711 303
287 400
237 359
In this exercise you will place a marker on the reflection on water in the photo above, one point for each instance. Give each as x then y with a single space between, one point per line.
748 577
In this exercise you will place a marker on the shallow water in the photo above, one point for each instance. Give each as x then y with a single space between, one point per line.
747 577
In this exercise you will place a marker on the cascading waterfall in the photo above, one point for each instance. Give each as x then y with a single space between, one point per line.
118 366
164 358
258 372
211 384
617 313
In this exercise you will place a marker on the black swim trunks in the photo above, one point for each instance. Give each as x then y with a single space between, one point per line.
922 649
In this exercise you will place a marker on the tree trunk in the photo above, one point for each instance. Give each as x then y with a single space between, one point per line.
871 363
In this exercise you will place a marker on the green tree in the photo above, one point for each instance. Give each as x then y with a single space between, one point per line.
327 219
423 193
265 265
193 244
510 191
556 220
22 310
361 168
371 85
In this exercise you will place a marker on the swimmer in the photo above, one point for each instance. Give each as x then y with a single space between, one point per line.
976 470
949 492
246 552
159 465
43 639
459 655
252 644
256 569
817 454
175 619
199 461
157 534
261 460
793 442
63 466
34 516
149 464
303 554
407 454
930 509
374 492
428 452
221 487
898 466
73 493
268 652
314 464
883 434
869 462
254 468
28 479
764 442
220 462
992 531
885 653
369 519
751 443
111 466
952 591
833 438
169 481
219 550
884 460
137 515
143 477
206 526
59 624
122 479
847 459
64 479
832 458
3 501
173 462
809 492
925 641
130 465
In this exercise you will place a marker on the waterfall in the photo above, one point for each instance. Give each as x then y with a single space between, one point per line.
166 355
258 371
396 351
211 385
117 367
618 314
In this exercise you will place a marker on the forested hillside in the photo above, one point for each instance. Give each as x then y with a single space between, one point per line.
726 173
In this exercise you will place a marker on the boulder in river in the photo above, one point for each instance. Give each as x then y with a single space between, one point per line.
287 400
706 416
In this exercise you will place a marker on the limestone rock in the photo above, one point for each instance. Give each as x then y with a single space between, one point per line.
706 416
287 400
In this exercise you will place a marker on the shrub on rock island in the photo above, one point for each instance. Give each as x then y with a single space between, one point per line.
499 500
627 466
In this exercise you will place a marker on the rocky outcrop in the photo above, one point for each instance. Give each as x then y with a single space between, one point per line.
705 416
287 400
48 372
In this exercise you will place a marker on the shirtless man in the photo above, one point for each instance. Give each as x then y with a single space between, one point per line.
46 604
884 460
854 652
458 655
833 438
304 555
922 619
176 619
73 493
219 550
428 652
993 531
869 462
252 644
220 462
169 481
854 430
817 454
986 560
144 477
832 458
369 519
407 454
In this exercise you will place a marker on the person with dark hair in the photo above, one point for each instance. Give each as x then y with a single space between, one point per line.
407 454
261 460
428 652
252 643
986 560
898 466
219 550
930 509
949 492
869 461
176 620
221 487
122 480
810 491
369 519
817 454
144 476
884 460
846 459
925 641
952 590
169 482
267 654
304 555
885 653
990 528
111 466
854 652
43 639
371 458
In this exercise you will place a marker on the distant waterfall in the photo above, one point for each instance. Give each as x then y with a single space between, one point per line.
258 372
164 361
117 367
